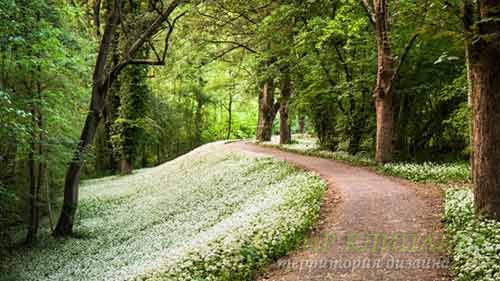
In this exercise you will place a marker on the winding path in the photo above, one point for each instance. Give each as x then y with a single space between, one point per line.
361 211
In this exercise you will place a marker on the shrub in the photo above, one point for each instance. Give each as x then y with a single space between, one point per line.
431 172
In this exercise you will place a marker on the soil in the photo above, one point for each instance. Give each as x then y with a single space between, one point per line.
362 214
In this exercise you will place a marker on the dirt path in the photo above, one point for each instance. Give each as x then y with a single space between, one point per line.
361 212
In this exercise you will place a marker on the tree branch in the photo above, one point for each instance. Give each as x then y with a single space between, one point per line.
369 11
109 33
234 43
153 28
402 59
146 62
97 17
171 27
145 37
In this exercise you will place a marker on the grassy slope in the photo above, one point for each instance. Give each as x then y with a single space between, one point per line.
209 215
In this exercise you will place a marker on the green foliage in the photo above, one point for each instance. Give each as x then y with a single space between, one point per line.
218 56
474 242
45 58
191 100
129 127
323 118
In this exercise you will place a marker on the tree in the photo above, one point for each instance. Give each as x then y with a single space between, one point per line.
103 78
229 108
267 110
388 70
482 29
284 105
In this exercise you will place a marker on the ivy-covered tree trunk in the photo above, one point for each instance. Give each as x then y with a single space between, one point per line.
485 67
105 154
286 93
133 96
267 111
133 107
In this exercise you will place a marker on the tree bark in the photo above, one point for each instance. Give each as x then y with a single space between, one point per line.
72 180
198 119
356 133
267 111
230 116
34 212
387 73
286 93
383 93
126 167
485 67
467 25
325 123
302 124
99 89
105 153
385 129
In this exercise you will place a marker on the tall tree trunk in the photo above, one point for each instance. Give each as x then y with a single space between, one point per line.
468 22
383 93
286 93
34 212
99 90
126 167
230 116
267 111
198 120
105 154
385 129
302 124
387 73
37 179
103 78
158 157
485 69
356 134
144 158
71 185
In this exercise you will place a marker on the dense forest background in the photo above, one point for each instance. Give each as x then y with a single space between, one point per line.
233 70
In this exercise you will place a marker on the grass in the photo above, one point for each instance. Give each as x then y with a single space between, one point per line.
209 215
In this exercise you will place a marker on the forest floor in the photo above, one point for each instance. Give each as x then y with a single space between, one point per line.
372 227
211 214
